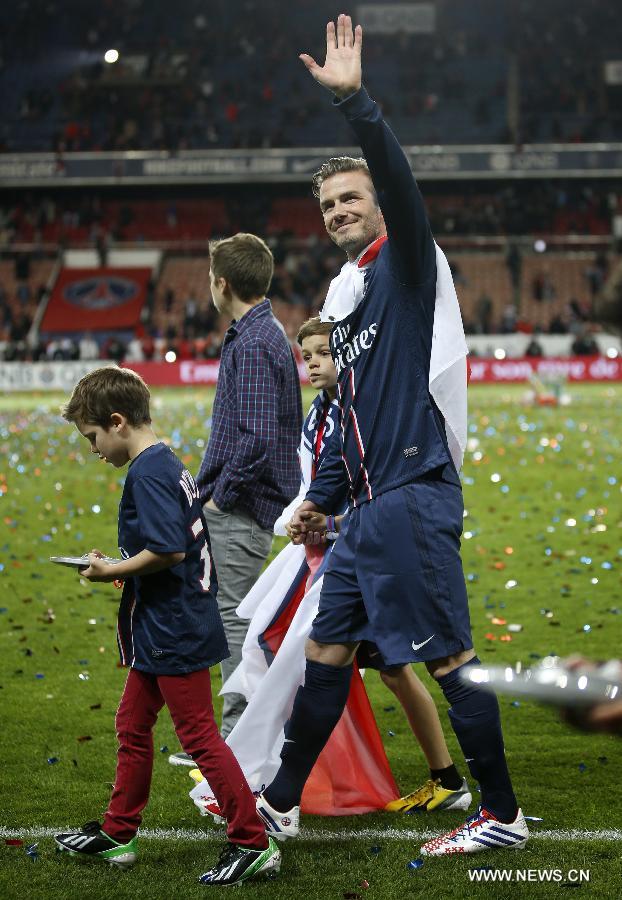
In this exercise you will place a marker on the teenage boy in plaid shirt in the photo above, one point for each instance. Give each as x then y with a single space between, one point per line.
250 470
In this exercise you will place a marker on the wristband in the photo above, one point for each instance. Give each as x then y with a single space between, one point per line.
331 529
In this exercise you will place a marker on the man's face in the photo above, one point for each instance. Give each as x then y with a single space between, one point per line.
318 361
105 442
351 213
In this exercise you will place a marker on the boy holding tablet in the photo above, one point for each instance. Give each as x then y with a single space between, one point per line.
169 630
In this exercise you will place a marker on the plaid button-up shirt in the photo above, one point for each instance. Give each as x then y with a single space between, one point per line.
251 460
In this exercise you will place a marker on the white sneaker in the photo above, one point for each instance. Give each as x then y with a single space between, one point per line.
279 825
206 803
481 831
181 759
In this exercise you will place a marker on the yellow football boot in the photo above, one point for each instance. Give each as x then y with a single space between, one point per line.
432 796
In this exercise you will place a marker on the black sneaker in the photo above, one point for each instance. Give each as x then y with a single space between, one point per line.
236 864
92 842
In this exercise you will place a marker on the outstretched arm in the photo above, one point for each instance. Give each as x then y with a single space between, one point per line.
410 237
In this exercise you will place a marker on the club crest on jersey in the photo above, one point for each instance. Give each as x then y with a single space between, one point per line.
346 349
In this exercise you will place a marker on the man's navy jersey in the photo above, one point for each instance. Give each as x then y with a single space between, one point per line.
169 622
391 429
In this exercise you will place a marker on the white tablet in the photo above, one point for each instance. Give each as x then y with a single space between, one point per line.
80 562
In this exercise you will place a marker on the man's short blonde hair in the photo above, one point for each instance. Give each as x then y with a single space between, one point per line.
333 166
245 262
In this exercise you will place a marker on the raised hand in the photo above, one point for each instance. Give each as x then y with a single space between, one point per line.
341 72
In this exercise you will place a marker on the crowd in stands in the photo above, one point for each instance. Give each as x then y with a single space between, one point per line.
501 292
192 75
562 207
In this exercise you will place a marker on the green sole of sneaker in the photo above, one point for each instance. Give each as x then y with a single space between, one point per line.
123 861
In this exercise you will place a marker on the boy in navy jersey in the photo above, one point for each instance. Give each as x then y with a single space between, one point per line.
169 630
395 576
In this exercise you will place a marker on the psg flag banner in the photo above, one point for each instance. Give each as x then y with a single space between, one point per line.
96 299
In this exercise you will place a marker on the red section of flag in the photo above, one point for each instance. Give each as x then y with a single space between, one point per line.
274 634
96 300
352 774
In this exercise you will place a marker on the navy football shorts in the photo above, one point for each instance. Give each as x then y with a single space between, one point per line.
395 575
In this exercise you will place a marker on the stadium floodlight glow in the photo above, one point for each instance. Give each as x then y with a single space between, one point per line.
111 56
539 246
612 353
499 353
170 356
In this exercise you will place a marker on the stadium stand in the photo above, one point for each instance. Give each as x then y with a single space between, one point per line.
488 72
178 85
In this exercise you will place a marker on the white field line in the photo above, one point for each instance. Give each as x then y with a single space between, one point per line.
574 835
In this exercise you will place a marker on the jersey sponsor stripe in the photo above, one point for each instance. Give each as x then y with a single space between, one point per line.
121 646
132 630
361 449
345 462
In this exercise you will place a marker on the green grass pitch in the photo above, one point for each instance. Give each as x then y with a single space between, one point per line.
542 548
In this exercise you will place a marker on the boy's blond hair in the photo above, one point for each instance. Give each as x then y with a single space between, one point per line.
312 327
105 391
246 262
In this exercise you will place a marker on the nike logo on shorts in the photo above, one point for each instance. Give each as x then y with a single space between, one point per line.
422 644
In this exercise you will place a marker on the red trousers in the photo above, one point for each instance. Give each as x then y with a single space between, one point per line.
189 700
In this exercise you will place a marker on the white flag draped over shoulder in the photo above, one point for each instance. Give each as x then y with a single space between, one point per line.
448 366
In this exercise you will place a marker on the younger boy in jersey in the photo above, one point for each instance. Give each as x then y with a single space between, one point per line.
169 631
445 789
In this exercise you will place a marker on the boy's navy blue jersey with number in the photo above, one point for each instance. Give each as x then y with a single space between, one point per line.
318 430
169 622
392 432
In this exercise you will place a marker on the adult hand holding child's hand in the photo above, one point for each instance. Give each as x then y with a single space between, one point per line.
307 525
